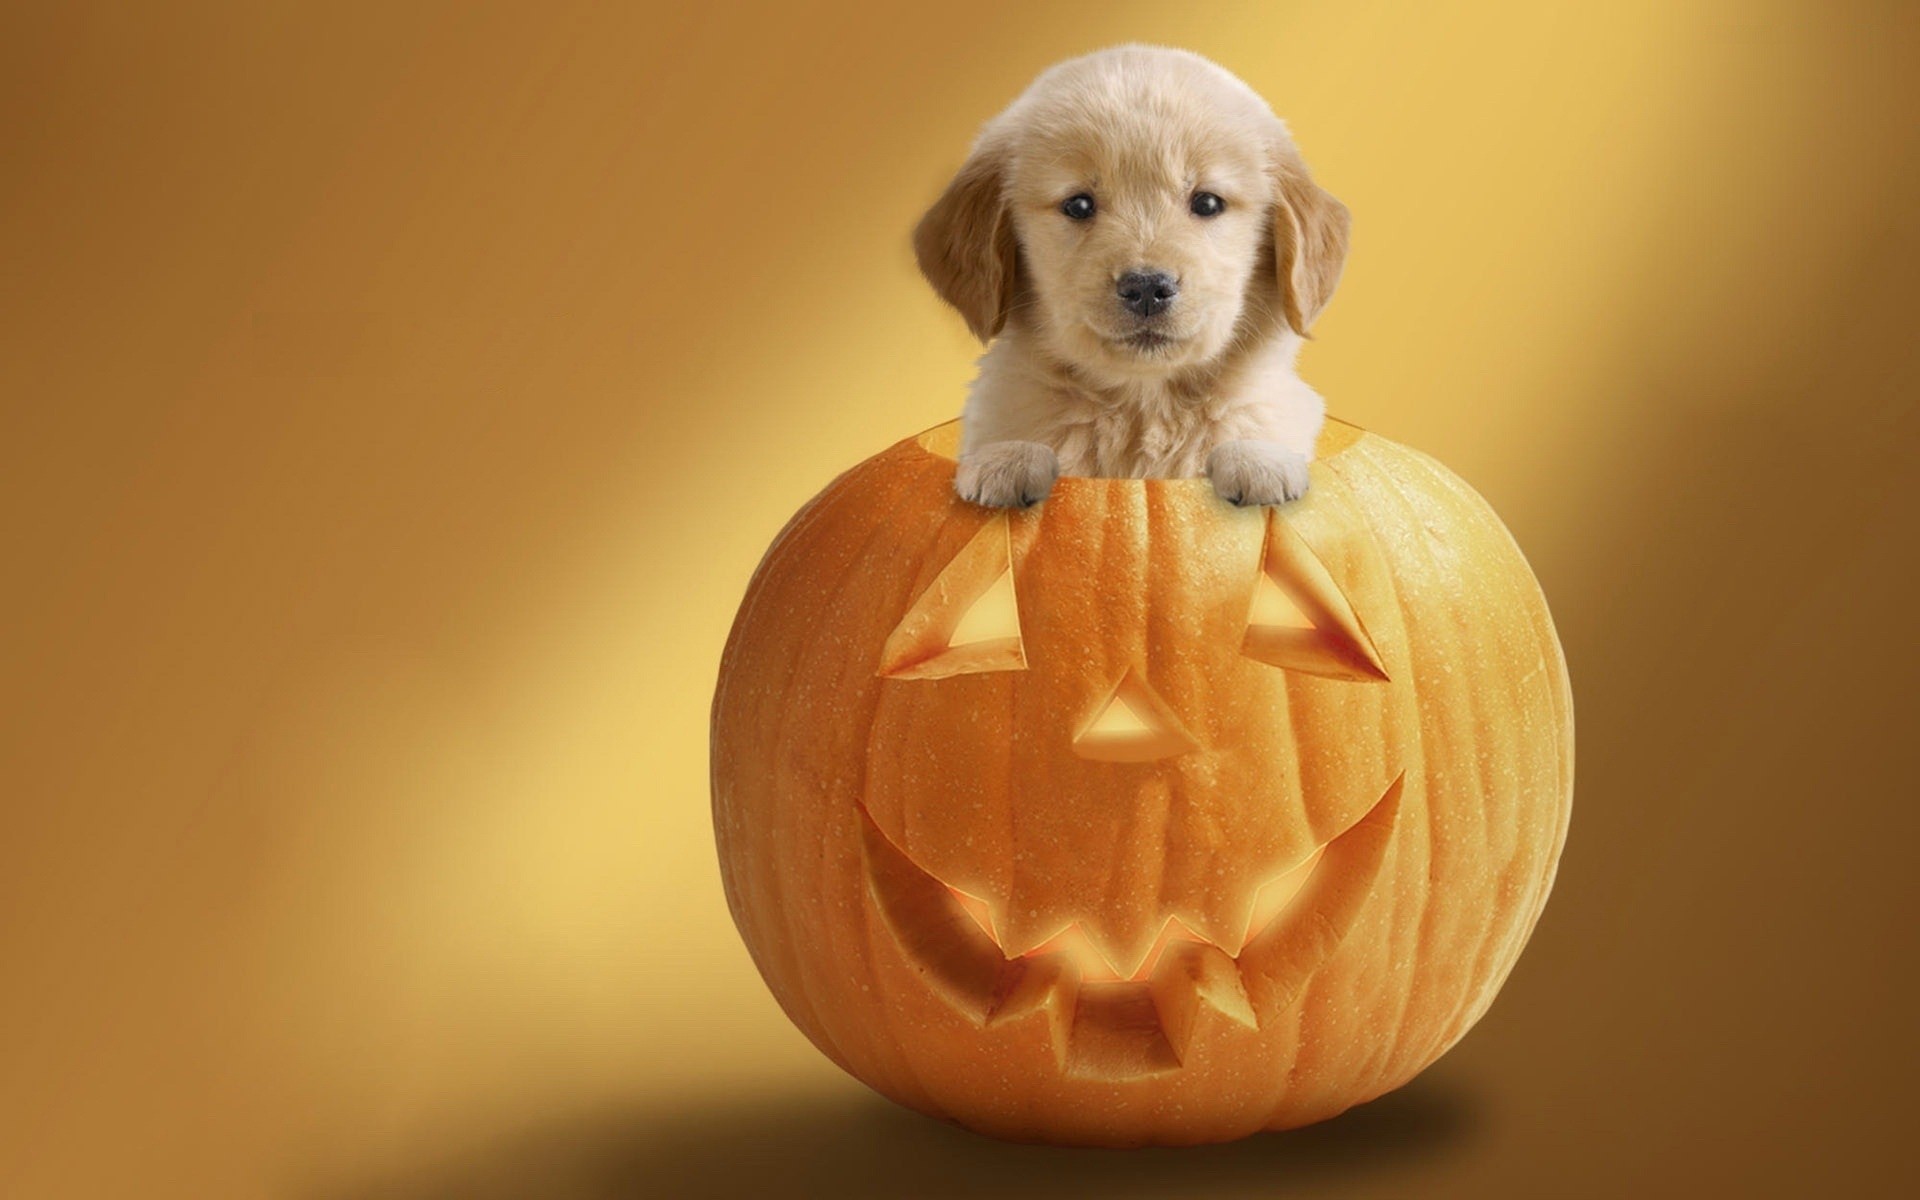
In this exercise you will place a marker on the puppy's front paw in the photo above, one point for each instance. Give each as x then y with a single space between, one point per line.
1007 474
1251 472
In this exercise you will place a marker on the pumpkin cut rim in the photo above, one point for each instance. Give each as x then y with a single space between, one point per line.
942 443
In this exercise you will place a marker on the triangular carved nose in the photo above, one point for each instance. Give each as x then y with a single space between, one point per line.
1133 724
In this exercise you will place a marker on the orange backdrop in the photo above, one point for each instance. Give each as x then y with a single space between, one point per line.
394 400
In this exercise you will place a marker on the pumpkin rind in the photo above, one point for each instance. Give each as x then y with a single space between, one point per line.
974 779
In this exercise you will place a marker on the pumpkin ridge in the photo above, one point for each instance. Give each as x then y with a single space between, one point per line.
1443 1033
1368 459
1491 958
807 650
762 581
1497 950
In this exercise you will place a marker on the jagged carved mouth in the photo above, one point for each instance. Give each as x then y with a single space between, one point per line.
1122 1021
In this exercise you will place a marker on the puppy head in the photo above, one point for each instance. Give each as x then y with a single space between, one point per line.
1138 206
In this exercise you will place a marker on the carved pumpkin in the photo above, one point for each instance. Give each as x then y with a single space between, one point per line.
1137 817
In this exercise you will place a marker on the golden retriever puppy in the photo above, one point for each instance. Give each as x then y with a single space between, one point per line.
1141 247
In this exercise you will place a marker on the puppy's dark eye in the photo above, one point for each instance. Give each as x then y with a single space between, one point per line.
1206 204
1078 207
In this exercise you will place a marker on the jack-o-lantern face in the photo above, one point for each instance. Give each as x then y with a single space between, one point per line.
1121 943
1135 816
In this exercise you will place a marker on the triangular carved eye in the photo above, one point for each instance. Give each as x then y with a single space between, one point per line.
1299 619
967 620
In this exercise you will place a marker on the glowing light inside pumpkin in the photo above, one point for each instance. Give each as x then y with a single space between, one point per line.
1098 964
1276 894
993 615
1133 724
1118 721
968 618
1272 606
977 909
1298 618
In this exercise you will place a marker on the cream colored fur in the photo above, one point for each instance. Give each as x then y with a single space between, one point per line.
1139 129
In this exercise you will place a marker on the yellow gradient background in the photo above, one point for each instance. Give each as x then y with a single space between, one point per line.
395 399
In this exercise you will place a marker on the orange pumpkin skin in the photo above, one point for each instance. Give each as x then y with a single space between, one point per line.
1293 872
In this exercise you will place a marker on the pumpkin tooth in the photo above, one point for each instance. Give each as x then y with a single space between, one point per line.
1193 974
1072 943
1027 984
1174 932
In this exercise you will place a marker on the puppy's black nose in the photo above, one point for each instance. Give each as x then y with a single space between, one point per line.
1147 292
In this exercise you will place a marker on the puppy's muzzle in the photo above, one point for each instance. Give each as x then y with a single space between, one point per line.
1147 293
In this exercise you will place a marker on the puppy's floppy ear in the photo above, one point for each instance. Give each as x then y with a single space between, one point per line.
966 245
1309 237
